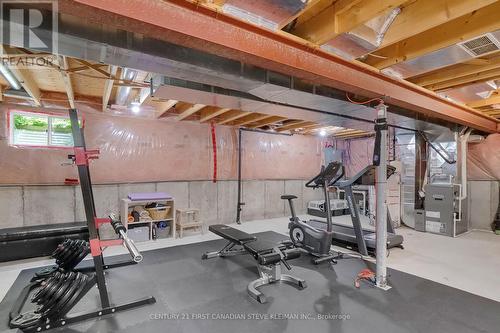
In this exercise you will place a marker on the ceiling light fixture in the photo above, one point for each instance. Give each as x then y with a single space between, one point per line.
135 107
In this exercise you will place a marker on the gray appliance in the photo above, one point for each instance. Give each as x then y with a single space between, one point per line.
443 209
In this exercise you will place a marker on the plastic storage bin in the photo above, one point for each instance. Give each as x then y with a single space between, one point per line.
138 234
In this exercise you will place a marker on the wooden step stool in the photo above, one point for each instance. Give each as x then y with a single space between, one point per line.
188 218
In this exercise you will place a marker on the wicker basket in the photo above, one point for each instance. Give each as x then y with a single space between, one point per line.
159 213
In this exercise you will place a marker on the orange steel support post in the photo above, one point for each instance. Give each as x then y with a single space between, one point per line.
193 25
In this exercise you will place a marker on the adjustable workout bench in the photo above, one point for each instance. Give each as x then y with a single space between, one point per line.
269 256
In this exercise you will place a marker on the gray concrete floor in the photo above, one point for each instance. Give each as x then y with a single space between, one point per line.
469 262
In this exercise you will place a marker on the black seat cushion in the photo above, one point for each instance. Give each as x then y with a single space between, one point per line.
260 247
232 234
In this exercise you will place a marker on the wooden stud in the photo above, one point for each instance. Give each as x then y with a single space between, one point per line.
108 87
293 125
162 107
25 79
94 67
337 19
232 115
211 112
460 29
455 71
493 99
421 15
251 118
466 80
66 77
190 111
268 121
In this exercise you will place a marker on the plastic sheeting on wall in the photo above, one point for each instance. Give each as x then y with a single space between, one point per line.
142 150
358 153
483 159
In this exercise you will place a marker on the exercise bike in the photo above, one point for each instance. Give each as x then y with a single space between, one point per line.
315 241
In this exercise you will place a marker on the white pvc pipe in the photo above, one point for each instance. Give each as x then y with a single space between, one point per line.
381 220
463 162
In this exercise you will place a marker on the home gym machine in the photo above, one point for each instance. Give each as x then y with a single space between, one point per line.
356 237
269 256
55 290
316 241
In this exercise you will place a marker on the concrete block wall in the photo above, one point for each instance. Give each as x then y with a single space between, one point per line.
36 205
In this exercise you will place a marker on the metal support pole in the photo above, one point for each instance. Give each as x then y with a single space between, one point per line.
239 204
381 188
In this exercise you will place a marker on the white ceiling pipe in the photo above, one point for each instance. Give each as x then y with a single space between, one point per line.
7 74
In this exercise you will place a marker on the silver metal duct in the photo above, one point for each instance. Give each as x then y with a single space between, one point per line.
268 14
107 45
123 92
277 100
363 39
441 58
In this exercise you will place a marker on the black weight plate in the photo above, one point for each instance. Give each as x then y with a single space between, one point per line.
76 251
60 247
79 258
74 288
69 250
68 305
50 293
58 293
45 285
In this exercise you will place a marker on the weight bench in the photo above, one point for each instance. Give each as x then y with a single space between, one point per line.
269 257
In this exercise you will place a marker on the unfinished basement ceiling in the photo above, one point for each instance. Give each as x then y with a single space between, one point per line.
362 29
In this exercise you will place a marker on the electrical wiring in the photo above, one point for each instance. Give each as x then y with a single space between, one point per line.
364 102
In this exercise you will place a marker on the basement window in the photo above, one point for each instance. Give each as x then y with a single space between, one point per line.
39 130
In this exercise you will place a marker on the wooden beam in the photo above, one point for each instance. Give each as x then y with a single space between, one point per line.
466 80
493 99
337 19
420 15
188 111
66 77
492 113
293 125
25 78
212 112
251 118
108 87
460 29
453 72
95 67
308 129
354 136
163 107
288 20
268 121
232 115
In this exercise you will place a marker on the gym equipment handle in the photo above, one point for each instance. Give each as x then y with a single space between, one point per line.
129 244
